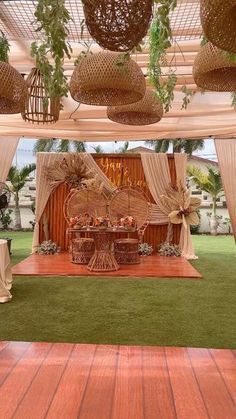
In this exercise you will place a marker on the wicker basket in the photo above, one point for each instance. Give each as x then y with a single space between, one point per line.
13 90
213 70
39 108
82 250
126 251
218 19
99 80
118 25
147 111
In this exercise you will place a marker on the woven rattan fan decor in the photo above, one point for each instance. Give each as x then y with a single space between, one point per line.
99 80
81 201
118 25
148 110
213 70
218 18
39 108
13 90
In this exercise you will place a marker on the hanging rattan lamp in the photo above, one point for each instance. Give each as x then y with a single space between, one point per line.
103 79
39 107
218 18
213 70
147 111
118 25
13 90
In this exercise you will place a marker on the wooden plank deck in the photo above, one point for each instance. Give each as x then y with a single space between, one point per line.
43 380
150 266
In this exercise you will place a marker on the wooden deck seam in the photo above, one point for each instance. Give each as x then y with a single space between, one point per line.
115 375
13 366
170 384
86 385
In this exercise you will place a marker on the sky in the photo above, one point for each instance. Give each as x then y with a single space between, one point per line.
24 154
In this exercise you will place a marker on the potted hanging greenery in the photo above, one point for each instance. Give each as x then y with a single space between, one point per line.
13 89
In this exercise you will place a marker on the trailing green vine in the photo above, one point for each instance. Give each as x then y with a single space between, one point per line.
4 48
52 18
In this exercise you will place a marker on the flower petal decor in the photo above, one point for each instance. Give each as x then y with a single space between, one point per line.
107 79
218 18
118 25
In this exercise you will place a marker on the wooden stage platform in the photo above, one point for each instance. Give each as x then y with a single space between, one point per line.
150 266
53 381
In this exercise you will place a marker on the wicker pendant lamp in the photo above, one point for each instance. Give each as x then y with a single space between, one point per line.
213 70
99 79
39 108
218 18
13 90
118 25
147 111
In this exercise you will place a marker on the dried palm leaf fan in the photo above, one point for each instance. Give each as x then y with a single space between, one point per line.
118 25
13 89
148 110
39 107
85 201
213 70
103 79
218 18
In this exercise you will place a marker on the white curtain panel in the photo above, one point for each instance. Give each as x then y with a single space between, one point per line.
226 152
8 146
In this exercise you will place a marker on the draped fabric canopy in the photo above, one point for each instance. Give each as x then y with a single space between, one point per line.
8 148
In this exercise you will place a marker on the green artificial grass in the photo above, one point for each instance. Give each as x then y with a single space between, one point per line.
175 312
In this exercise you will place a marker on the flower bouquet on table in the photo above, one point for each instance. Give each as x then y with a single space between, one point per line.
102 222
128 223
81 221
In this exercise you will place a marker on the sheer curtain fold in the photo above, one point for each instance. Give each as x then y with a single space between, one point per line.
226 152
8 146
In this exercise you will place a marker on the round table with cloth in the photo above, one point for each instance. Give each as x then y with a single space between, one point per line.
5 273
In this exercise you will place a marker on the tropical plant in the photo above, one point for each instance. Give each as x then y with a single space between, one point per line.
98 149
211 183
178 145
124 148
52 18
17 179
5 219
60 146
4 48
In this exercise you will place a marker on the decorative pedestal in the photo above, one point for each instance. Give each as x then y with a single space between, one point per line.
82 250
103 259
126 251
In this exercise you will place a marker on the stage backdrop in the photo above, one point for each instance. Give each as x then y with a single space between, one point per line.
122 170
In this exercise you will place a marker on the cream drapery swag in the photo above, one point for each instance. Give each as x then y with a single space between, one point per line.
226 152
8 146
157 173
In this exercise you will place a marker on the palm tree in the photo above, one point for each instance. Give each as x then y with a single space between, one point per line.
124 148
179 145
17 178
98 149
211 183
60 146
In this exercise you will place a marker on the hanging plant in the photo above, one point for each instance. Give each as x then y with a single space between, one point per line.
13 89
52 18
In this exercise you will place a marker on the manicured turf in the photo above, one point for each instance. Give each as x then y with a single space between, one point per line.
192 313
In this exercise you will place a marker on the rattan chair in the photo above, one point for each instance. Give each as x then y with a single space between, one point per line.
128 201
82 250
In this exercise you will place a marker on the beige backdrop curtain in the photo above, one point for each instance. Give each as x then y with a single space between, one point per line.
226 152
8 146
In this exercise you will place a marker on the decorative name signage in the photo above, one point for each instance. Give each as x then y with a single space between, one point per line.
119 173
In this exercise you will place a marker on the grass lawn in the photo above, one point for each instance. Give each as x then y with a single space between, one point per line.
199 313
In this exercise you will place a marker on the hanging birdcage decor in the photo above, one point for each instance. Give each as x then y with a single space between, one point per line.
214 70
39 107
107 79
118 25
13 90
218 18
148 110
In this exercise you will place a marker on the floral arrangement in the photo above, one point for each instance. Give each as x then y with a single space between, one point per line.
103 222
169 249
127 222
145 249
81 220
47 248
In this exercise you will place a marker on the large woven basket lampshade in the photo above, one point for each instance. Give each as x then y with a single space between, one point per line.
218 18
148 110
98 80
118 25
39 108
13 90
213 70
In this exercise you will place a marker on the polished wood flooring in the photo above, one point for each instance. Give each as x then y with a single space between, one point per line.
150 266
66 381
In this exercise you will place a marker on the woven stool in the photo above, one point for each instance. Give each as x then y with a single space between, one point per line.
82 250
126 251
